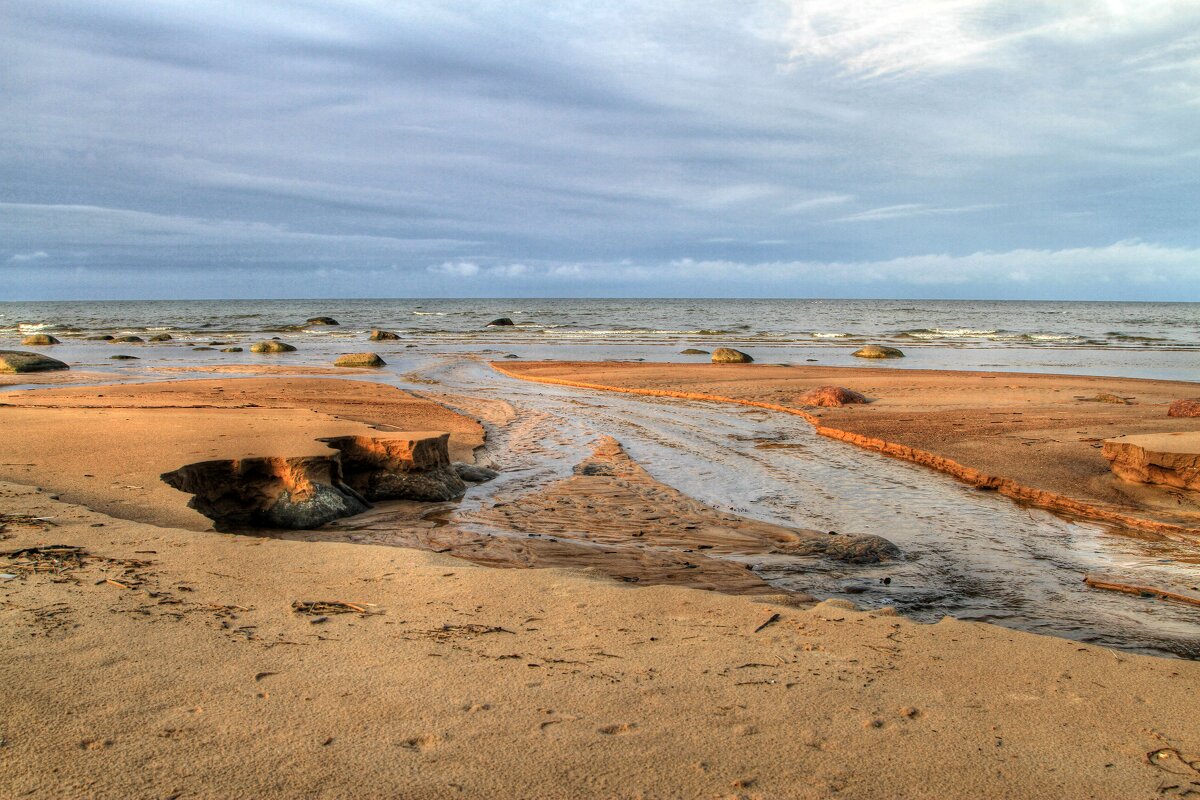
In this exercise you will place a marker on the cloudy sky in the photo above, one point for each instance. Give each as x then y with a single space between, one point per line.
753 148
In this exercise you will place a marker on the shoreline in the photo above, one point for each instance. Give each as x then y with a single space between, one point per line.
970 475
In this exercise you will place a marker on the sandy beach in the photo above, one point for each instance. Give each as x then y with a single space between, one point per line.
157 657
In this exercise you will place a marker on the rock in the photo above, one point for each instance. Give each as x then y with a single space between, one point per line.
501 322
472 473
17 361
512 355
864 549
878 351
1185 408
219 344
161 337
831 397
691 351
1162 459
727 355
383 336
272 346
359 360
199 349
123 357
231 349
104 338
126 340
39 339
1107 398
321 321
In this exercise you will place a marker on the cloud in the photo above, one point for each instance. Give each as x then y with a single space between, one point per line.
20 258
461 269
909 210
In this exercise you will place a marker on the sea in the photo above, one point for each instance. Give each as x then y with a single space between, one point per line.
1147 340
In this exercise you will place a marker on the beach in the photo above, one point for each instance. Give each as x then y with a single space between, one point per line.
667 579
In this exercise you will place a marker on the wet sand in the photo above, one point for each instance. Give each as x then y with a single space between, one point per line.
166 661
1036 438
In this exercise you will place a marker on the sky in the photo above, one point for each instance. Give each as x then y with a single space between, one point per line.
693 148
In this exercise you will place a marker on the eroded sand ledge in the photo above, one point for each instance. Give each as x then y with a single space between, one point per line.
917 411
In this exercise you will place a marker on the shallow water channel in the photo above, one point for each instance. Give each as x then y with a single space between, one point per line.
968 554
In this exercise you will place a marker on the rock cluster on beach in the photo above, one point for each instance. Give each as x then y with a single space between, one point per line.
360 360
272 346
831 397
1185 408
878 351
17 361
727 355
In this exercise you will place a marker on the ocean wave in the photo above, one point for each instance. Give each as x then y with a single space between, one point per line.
821 335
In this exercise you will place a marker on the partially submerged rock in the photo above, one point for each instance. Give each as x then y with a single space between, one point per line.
311 490
231 349
360 360
126 340
272 346
39 339
727 355
1163 459
473 473
321 321
161 337
878 351
692 351
1185 408
831 397
17 361
107 337
383 336
123 357
501 322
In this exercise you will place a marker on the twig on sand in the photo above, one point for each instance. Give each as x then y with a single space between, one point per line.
316 608
771 620
1143 591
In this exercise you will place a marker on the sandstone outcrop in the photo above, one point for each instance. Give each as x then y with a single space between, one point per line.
878 351
727 355
383 336
17 361
39 339
272 346
307 491
831 397
1185 408
359 360
1163 459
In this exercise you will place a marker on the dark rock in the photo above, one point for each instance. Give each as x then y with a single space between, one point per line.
878 351
123 357
512 355
231 349
501 322
126 340
692 351
198 349
272 346
472 473
321 321
17 361
107 337
161 337
727 355
359 360
39 339
383 336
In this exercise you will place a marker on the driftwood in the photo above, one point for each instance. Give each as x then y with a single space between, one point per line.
1143 591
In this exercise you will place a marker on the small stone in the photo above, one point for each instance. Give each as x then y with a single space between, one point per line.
272 346
231 349
126 340
383 336
360 360
878 351
692 351
727 355
123 357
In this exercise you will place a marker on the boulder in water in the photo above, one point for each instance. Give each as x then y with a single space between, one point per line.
360 360
727 355
39 339
692 351
123 357
831 397
1185 408
383 336
107 337
17 361
472 473
126 340
272 346
231 349
501 322
878 351
161 337
321 321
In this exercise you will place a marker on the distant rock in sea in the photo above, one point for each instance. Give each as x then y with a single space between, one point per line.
727 355
321 321
39 339
272 346
501 322
383 336
360 360
17 361
878 351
